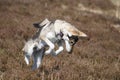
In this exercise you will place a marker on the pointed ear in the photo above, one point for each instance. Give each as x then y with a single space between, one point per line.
36 25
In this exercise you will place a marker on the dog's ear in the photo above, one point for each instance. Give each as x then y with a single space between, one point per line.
36 25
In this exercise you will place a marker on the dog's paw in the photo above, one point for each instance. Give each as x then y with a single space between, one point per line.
47 52
27 60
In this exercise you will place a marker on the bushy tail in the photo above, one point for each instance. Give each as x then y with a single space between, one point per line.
78 33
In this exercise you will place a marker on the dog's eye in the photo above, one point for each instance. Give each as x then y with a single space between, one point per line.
72 42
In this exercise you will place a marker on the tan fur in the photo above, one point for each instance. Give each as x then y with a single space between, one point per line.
74 31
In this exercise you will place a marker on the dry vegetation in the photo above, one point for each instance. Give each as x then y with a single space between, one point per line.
96 59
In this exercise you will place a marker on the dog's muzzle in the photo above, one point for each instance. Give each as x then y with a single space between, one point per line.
73 40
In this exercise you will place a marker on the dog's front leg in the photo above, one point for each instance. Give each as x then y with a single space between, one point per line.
50 44
60 49
28 56
67 44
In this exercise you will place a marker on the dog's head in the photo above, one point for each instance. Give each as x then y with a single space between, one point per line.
73 40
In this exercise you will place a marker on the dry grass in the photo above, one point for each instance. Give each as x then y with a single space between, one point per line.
97 59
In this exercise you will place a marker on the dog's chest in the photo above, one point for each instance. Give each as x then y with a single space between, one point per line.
52 37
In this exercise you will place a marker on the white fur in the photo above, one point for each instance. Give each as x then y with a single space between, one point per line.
37 58
28 49
29 52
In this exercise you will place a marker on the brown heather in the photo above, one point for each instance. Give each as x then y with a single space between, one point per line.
96 59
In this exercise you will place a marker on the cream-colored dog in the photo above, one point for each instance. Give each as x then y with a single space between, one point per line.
48 30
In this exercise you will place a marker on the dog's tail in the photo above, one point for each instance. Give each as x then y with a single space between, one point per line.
80 34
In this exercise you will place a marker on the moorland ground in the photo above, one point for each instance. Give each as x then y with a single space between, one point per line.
96 59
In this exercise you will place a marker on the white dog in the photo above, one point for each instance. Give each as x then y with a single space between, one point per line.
35 47
57 31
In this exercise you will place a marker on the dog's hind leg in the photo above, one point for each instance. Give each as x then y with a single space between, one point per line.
27 59
67 44
37 58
